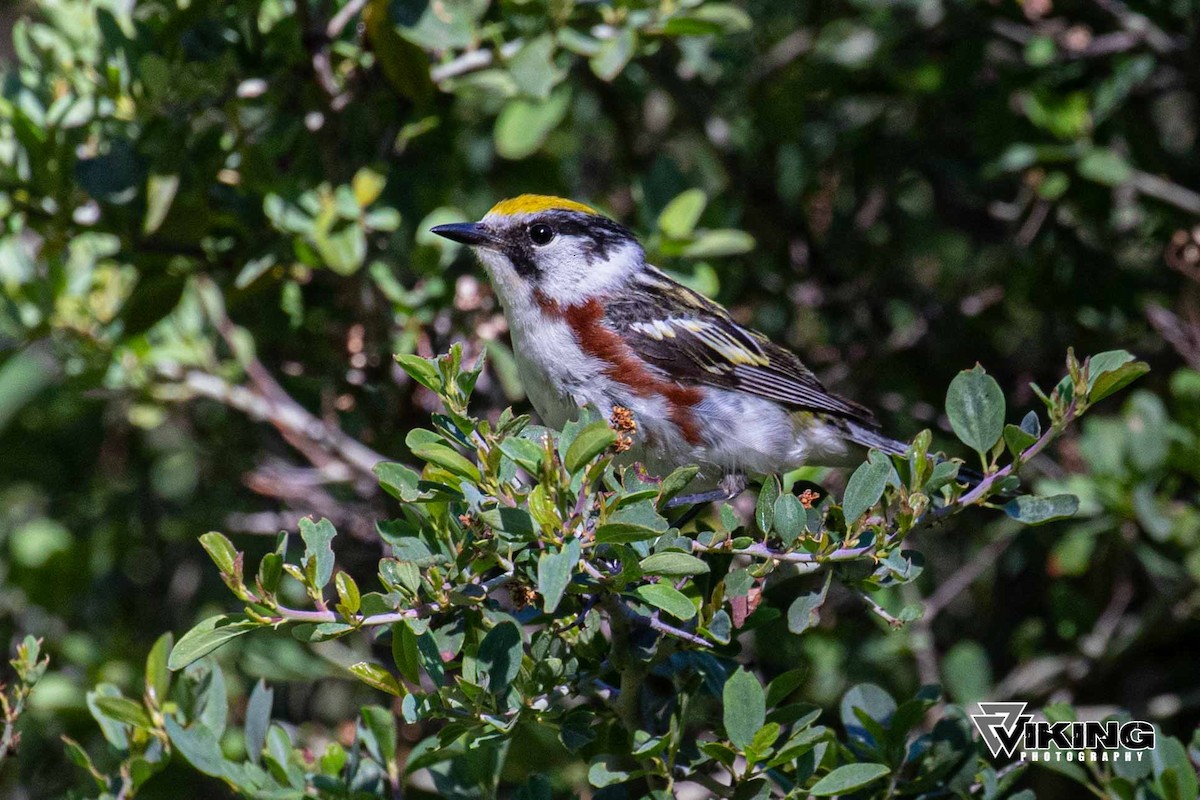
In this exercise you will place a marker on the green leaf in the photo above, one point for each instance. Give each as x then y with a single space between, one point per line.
405 653
975 406
1173 772
783 684
398 480
270 570
430 657
122 709
342 245
1036 510
943 473
113 731
448 459
526 454
403 63
1111 371
258 719
366 186
967 672
158 677
160 193
866 486
844 780
679 217
523 125
614 54
1017 439
348 592
869 701
674 564
764 509
719 243
675 483
790 518
669 599
745 708
633 523
554 574
589 443
220 550
533 68
720 627
805 610
604 771
376 676
404 575
199 746
1105 166
206 637
381 725
500 655
318 548
422 370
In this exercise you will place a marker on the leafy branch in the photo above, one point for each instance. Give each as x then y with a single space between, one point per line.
516 544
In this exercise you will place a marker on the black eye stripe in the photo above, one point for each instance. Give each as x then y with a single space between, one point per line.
600 234
520 253
599 238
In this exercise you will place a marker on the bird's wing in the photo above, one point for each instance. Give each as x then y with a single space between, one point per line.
694 341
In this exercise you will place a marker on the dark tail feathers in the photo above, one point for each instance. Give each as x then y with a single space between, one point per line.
868 437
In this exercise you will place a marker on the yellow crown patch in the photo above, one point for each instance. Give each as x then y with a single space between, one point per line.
533 203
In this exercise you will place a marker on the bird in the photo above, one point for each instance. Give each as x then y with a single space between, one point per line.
593 323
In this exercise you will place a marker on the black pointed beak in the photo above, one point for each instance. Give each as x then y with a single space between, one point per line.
471 233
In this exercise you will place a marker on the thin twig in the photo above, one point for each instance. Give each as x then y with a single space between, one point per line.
285 414
473 61
425 609
342 18
893 622
679 633
983 488
1166 191
965 575
764 552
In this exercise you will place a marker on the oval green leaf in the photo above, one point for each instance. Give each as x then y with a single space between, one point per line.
844 780
975 406
745 706
669 599
206 637
589 443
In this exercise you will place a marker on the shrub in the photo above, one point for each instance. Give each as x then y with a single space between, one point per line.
537 592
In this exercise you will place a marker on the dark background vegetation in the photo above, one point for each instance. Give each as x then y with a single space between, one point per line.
213 237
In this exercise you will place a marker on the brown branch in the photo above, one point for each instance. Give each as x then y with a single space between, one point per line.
288 416
1177 333
342 18
473 61
965 575
983 488
1166 191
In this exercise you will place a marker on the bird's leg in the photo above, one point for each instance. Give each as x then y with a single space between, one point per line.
727 488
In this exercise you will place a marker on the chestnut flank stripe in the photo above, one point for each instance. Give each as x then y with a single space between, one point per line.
622 365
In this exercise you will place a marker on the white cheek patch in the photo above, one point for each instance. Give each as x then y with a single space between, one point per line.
570 277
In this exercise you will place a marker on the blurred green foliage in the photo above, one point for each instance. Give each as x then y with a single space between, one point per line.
213 237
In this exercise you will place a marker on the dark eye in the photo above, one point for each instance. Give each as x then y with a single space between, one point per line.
541 233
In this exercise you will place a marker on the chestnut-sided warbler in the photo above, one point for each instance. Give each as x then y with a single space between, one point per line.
593 323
